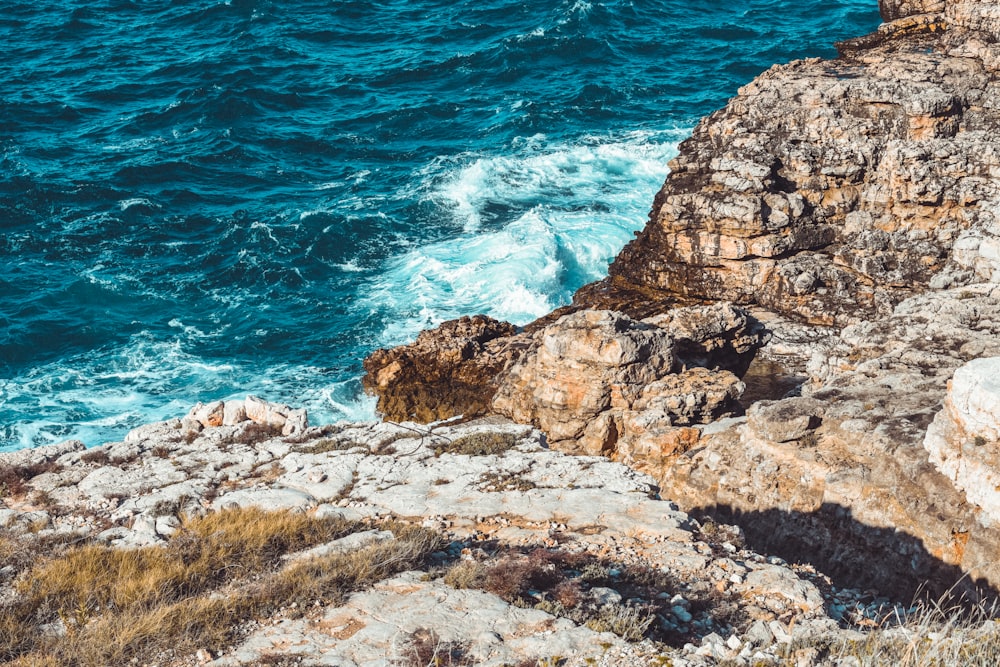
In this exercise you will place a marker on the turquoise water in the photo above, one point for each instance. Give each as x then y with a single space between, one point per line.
201 200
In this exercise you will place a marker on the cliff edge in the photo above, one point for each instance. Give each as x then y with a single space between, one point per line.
836 223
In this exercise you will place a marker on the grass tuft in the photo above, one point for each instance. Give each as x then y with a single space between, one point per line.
424 648
478 444
933 635
558 582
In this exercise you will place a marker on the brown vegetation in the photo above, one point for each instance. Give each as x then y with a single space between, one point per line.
97 605
478 444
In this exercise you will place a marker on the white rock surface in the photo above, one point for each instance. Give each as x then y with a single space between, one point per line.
133 493
964 439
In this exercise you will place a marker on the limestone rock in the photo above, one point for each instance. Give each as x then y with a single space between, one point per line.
715 336
841 475
832 189
40 455
784 421
277 416
897 9
446 372
964 438
234 413
211 414
527 499
592 366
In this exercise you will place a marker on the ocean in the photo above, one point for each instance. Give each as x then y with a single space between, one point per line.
203 200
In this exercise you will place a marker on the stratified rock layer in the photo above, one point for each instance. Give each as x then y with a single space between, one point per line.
458 368
833 189
598 380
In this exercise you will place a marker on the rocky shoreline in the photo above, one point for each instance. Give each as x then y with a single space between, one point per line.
836 223
680 590
772 425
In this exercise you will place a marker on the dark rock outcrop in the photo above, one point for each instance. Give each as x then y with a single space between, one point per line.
446 372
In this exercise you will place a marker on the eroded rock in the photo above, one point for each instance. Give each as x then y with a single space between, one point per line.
832 189
447 371
595 375
964 439
275 416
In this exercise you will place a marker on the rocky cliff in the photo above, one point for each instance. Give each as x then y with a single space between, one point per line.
223 542
843 215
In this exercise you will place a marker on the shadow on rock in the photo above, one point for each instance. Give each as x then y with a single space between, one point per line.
855 555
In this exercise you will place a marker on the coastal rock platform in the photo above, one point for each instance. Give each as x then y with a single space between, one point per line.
490 490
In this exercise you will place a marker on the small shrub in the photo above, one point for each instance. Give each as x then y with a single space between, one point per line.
268 472
254 433
465 574
499 482
424 648
478 444
628 622
13 479
98 456
568 593
513 576
325 445
166 508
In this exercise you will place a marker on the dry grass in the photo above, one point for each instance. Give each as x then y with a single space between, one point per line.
325 445
424 648
933 636
218 571
478 444
629 623
558 582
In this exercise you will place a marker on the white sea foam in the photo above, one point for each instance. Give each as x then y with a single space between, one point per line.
126 204
101 396
569 210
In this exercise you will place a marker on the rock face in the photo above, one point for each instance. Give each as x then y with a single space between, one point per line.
834 189
599 377
963 438
446 372
458 368
840 475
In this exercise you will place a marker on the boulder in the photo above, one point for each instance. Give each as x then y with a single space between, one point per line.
208 414
786 420
277 416
593 369
964 439
447 371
